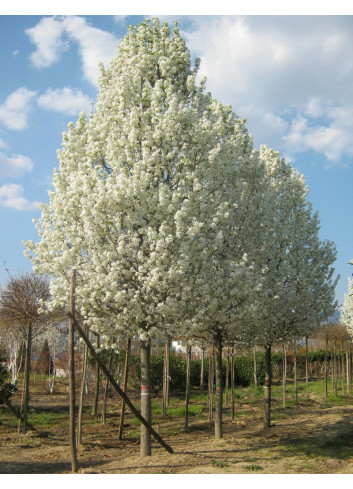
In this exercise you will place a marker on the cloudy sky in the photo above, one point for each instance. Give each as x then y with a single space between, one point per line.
290 76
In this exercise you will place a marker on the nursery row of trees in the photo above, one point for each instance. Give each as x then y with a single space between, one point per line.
176 225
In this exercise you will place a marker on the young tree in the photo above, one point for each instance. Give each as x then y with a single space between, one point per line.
20 302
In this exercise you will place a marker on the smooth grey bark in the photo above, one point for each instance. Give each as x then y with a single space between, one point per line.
295 373
232 382
255 367
125 381
326 366
267 387
226 388
166 376
202 372
116 386
284 375
24 412
96 386
145 353
210 387
342 367
187 386
219 395
306 369
82 393
72 435
335 366
106 388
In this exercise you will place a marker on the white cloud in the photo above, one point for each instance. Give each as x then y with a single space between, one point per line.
275 70
11 196
46 36
119 19
95 45
14 166
65 100
15 110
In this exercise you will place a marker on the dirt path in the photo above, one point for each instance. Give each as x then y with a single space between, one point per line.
307 439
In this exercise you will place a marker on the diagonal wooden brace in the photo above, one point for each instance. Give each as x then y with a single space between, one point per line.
116 386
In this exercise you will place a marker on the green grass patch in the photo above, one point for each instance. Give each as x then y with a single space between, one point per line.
253 467
218 463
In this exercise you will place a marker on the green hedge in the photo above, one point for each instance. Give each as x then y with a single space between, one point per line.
243 368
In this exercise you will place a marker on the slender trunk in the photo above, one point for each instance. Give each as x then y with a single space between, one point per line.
73 451
348 370
125 381
306 368
166 370
106 388
342 368
335 367
202 372
145 353
26 379
284 375
339 365
219 397
82 392
295 373
326 367
232 382
115 385
210 387
96 388
267 387
255 367
227 380
187 388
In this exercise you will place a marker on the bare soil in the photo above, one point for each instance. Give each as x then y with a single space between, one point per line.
305 439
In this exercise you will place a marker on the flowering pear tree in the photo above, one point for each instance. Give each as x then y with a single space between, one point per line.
140 202
298 286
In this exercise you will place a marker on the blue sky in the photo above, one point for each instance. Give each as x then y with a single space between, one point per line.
290 76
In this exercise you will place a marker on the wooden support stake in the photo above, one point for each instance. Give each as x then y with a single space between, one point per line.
116 386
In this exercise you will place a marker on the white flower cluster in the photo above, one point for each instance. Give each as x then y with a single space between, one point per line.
174 222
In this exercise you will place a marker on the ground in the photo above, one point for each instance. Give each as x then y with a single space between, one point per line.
313 437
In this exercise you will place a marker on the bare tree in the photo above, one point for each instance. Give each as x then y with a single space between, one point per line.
20 301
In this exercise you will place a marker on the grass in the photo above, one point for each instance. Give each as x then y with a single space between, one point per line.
218 463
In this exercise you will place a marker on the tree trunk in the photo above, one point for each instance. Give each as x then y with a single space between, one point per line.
106 388
227 380
335 367
125 381
348 371
73 451
295 373
202 373
96 388
24 413
326 367
187 388
210 387
166 370
219 396
145 353
342 368
255 367
306 368
82 392
284 376
232 382
267 387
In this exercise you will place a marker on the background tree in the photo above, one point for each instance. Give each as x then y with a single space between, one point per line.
20 302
